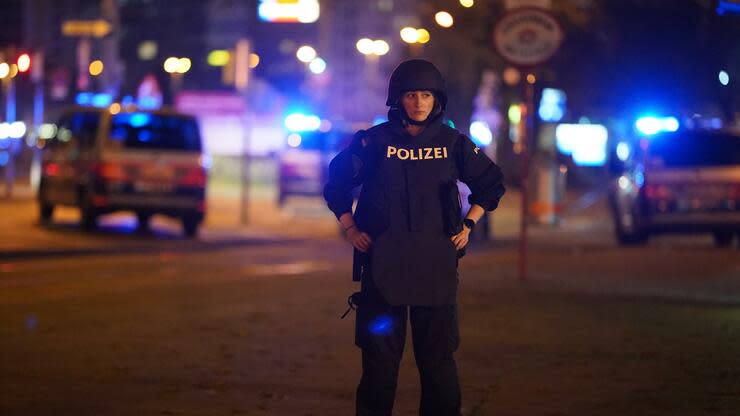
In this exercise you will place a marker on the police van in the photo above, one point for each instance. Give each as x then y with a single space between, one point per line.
103 160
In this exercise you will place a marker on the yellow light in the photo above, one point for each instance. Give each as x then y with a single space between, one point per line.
254 60
13 70
531 78
444 19
467 3
183 65
147 50
218 57
515 114
96 67
4 70
115 108
381 47
305 54
171 64
423 35
409 35
365 46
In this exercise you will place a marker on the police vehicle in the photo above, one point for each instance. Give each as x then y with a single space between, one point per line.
304 163
145 161
687 181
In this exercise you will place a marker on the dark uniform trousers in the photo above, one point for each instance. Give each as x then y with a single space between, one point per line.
381 333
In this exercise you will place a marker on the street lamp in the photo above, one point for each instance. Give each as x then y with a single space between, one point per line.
4 70
96 68
444 19
467 3
365 46
176 67
305 54
409 35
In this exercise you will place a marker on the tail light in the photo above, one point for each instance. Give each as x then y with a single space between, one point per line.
111 171
658 192
51 169
194 177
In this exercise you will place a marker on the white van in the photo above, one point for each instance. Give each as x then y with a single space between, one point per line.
148 162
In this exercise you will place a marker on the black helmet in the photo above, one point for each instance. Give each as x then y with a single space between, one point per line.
416 75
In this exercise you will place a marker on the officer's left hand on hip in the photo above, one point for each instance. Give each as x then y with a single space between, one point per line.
461 239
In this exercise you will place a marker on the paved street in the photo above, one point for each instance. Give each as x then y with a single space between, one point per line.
245 320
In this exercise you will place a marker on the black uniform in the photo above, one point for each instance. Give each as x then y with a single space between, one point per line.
410 207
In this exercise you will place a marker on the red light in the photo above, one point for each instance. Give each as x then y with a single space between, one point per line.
111 171
51 169
195 177
24 62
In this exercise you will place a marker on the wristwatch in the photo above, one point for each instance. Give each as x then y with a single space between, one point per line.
469 223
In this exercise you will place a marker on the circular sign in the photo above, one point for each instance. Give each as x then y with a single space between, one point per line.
527 36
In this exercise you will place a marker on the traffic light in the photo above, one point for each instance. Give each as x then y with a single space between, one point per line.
23 62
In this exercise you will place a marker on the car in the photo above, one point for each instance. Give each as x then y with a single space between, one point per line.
303 165
686 181
146 161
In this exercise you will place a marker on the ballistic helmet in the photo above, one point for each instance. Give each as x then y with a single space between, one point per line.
416 75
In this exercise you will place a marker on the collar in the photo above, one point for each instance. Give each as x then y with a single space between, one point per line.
398 127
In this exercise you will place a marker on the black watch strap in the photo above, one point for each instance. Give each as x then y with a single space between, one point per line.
469 223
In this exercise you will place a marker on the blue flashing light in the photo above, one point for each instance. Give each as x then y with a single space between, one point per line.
382 325
138 120
640 179
127 100
379 120
317 66
623 151
724 78
728 6
298 122
552 105
102 100
481 133
650 125
4 158
148 103
84 98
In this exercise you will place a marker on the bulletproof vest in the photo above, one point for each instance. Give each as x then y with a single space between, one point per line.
410 207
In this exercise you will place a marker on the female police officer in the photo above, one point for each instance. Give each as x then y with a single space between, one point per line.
407 234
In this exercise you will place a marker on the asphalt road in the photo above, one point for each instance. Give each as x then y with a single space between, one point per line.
242 322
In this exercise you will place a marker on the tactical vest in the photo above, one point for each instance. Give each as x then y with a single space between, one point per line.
410 207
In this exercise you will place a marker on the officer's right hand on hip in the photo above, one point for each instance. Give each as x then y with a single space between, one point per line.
359 239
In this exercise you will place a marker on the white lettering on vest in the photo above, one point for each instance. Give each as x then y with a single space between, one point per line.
424 153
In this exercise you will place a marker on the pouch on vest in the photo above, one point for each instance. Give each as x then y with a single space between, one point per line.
451 207
360 262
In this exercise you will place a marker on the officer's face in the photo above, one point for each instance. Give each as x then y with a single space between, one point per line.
418 104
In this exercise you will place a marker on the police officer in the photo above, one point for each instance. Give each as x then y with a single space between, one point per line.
408 232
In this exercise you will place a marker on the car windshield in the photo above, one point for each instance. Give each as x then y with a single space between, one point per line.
155 131
695 148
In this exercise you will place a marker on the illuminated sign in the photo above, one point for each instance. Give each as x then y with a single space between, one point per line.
585 142
289 11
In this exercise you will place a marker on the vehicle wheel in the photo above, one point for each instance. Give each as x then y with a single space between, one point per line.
634 237
190 226
46 211
723 238
143 220
88 214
